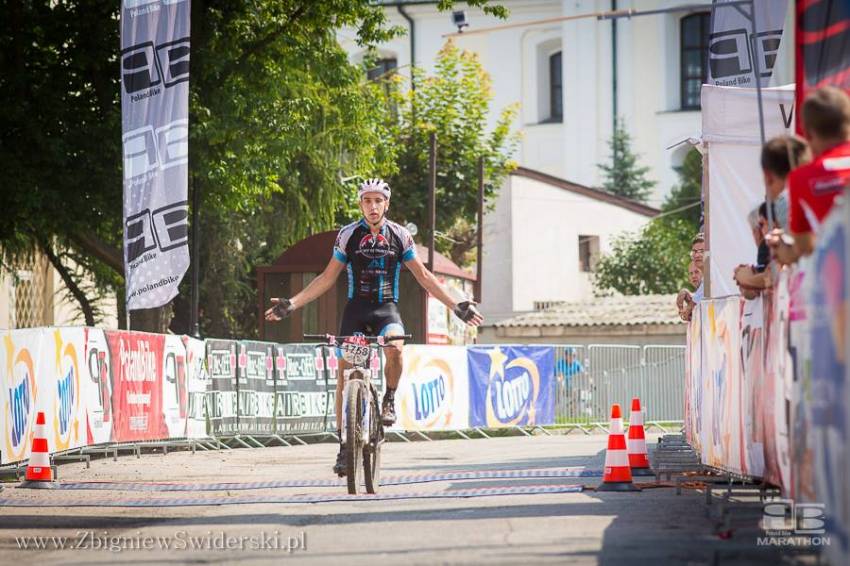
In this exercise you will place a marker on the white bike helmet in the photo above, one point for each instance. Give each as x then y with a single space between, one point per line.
374 186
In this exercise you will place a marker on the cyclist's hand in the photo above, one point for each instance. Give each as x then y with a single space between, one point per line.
467 312
280 309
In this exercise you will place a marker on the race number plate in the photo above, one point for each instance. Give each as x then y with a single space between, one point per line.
355 354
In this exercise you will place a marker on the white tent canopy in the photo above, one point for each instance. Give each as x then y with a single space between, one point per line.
732 143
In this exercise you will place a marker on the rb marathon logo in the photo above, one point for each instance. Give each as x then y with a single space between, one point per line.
428 393
66 404
19 408
513 387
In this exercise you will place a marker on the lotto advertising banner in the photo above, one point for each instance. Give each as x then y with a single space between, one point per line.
155 126
137 385
433 393
222 397
304 389
255 405
511 386
20 360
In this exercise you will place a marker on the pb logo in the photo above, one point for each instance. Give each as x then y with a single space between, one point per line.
174 61
171 224
783 515
730 53
139 235
140 68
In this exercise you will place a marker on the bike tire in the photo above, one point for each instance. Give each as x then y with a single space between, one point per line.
372 451
353 442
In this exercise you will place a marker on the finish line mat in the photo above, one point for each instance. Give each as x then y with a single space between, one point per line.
572 472
292 499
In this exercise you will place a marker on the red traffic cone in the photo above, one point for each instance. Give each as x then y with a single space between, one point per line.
618 473
638 457
39 473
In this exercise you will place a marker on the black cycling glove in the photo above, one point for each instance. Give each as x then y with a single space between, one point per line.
466 311
284 308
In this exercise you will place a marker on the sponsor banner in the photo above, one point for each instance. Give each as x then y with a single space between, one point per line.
137 393
63 375
304 391
779 373
20 361
97 388
433 393
197 386
822 35
733 44
511 386
693 387
722 420
155 127
256 376
752 378
222 398
827 303
175 395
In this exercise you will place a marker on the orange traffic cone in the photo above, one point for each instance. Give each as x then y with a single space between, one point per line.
638 457
39 473
618 474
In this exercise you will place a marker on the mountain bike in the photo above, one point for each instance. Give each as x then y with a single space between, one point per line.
362 429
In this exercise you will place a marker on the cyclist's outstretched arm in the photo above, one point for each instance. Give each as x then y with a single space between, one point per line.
315 289
463 309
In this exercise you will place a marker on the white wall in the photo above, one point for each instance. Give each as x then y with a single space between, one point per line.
531 250
648 80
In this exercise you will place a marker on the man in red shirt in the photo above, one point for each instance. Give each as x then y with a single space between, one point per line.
813 187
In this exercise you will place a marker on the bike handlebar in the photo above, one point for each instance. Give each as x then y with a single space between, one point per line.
370 339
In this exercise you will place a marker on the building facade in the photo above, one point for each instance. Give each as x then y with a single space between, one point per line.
571 77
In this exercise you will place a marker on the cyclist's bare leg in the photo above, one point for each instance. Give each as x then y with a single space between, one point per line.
392 373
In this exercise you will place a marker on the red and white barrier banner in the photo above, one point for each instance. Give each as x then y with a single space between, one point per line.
97 389
433 393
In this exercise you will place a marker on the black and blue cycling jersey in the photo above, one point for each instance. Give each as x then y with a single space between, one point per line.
373 261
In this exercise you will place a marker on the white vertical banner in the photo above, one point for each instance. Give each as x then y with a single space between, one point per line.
155 126
734 44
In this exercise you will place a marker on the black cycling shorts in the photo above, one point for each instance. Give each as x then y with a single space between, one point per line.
371 319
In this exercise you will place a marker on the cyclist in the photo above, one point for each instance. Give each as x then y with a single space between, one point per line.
372 250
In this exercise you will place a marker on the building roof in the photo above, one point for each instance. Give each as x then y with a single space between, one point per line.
313 253
630 310
597 194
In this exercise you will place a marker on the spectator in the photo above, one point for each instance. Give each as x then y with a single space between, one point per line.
568 366
684 298
752 279
813 187
778 157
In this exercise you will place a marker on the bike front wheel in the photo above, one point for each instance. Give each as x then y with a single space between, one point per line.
355 394
372 449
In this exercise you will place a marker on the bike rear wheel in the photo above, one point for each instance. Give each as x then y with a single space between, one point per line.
372 450
355 393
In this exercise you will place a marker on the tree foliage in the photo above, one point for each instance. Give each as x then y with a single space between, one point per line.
453 103
278 116
655 259
624 176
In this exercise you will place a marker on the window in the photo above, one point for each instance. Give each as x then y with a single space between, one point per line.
381 68
556 89
694 58
588 252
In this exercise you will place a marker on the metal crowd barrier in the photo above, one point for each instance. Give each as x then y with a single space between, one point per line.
589 379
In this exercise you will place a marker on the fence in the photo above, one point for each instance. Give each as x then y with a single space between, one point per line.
590 378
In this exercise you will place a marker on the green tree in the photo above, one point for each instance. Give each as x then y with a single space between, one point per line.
454 104
277 116
655 259
623 175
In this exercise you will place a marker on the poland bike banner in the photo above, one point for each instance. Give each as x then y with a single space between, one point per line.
155 121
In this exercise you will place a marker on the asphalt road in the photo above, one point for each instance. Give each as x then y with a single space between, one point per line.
652 527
